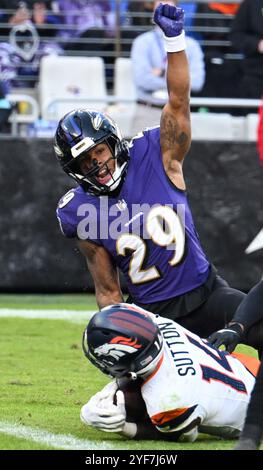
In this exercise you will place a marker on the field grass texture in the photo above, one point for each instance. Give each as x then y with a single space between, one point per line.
45 379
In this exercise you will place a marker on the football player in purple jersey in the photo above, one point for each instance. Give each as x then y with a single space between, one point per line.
130 209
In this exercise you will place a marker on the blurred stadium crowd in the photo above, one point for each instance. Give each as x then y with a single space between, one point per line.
108 54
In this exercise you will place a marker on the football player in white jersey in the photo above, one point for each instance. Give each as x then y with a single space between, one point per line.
187 385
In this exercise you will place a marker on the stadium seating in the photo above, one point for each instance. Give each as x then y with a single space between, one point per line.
124 109
213 126
252 121
67 82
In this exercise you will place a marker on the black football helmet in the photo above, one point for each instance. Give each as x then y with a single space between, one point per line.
123 340
78 132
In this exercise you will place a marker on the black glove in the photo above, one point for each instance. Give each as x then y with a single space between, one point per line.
229 337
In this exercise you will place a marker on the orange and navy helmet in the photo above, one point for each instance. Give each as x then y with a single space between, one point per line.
122 339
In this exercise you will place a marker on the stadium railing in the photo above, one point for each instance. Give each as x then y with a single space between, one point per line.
126 29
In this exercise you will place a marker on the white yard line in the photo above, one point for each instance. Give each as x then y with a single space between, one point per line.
58 441
70 315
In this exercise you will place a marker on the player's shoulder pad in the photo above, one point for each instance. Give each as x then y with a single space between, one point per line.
141 142
66 211
145 134
73 198
65 200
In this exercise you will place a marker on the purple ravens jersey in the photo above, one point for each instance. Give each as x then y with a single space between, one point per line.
148 228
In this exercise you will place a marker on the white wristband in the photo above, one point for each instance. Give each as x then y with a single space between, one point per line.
175 44
129 430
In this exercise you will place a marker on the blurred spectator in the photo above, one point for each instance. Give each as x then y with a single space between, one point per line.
139 18
90 29
214 21
225 8
9 62
20 56
123 9
141 13
38 11
5 107
21 12
247 37
222 72
149 65
81 16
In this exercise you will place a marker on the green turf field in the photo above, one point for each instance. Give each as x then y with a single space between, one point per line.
45 379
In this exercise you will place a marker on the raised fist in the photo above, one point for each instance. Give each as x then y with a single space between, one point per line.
170 19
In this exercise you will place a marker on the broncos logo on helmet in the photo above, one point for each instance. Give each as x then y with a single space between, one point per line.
117 348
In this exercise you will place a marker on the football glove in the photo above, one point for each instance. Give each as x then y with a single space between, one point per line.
170 19
104 415
230 337
106 412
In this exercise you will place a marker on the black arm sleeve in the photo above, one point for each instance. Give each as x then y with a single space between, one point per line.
250 311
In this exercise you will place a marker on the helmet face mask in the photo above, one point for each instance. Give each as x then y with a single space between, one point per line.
80 131
122 340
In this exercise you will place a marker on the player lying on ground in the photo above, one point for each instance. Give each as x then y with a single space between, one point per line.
187 386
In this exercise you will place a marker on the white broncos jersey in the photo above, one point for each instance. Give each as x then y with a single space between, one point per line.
193 380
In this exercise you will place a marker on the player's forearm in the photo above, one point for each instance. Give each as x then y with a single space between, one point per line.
178 80
108 298
171 21
250 310
148 431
